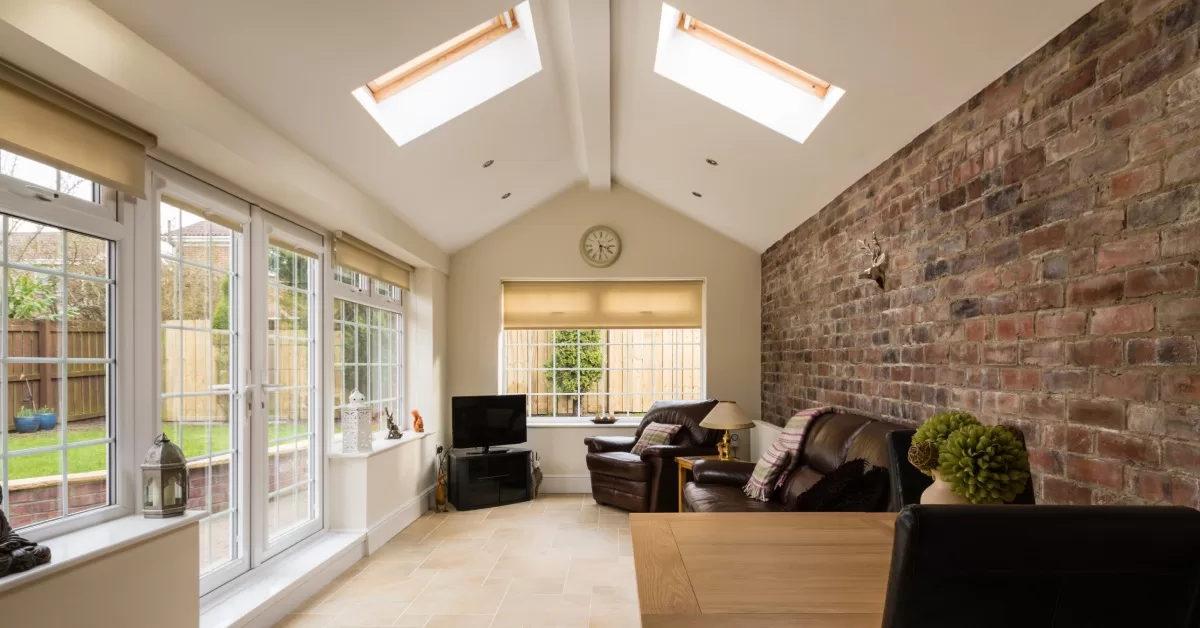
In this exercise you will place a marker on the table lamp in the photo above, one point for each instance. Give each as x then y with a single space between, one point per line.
726 416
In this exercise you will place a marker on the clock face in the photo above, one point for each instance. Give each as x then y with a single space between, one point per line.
600 246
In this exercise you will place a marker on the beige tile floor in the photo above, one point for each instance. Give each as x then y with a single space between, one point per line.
560 560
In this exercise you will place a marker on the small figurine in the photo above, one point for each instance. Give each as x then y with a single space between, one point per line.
16 553
440 493
418 422
393 430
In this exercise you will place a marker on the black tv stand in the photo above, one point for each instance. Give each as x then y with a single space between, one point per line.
483 479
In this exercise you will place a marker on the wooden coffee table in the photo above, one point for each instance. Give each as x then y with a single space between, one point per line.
685 463
762 570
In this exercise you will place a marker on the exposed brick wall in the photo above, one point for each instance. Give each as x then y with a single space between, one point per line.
1044 242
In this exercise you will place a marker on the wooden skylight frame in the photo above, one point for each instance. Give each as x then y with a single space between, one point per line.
752 55
441 56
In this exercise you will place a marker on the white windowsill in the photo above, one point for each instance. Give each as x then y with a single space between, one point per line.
379 444
585 423
75 548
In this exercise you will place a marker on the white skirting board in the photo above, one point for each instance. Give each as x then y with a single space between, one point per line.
761 438
397 520
573 484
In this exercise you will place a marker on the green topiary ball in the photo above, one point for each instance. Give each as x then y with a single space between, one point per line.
986 464
937 428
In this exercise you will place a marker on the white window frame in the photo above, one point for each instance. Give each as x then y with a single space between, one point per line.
567 418
369 296
111 220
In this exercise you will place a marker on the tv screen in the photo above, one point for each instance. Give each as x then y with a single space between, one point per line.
488 421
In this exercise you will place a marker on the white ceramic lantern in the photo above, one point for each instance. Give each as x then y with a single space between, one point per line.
164 480
356 424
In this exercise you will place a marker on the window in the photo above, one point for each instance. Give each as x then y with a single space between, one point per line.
581 373
443 55
752 55
48 177
760 86
56 382
368 347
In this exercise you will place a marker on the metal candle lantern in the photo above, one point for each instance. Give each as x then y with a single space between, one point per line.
164 480
356 424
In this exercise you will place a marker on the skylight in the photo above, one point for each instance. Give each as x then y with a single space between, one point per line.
761 87
454 77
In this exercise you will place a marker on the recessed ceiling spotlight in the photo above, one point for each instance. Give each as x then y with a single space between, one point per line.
697 194
711 161
488 163
506 195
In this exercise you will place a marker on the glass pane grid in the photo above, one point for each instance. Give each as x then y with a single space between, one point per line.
198 294
622 372
55 367
368 350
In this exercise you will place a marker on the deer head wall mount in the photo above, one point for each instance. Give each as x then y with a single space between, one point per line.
879 261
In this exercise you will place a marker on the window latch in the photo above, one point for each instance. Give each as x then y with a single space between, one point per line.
42 194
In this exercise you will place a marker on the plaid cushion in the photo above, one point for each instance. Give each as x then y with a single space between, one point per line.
655 434
792 438
773 461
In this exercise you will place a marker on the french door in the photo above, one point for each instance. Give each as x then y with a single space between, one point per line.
240 300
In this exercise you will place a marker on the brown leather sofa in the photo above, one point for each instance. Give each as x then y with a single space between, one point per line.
649 483
832 439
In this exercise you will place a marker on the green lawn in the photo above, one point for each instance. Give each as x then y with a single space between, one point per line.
95 458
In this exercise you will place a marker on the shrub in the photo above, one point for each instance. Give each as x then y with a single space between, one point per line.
986 464
937 428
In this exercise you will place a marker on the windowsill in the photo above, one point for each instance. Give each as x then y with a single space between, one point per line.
586 423
379 445
75 548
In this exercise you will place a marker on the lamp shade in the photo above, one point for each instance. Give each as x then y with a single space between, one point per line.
727 416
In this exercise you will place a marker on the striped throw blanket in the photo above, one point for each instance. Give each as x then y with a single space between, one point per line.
774 466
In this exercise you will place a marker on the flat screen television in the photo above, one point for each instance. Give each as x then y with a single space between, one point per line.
487 421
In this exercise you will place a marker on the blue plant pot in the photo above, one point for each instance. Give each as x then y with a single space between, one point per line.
47 421
26 424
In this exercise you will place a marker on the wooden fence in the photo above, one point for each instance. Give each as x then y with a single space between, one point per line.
87 394
640 367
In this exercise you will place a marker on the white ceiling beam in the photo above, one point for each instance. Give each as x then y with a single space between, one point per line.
588 73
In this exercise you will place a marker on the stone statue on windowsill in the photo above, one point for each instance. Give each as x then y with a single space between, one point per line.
18 554
394 432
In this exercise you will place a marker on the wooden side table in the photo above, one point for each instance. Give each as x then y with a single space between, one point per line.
685 464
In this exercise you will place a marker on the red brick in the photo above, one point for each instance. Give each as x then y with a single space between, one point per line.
1105 473
1045 461
1143 282
1140 351
1181 128
1045 239
1103 160
1045 408
1143 9
1059 325
1184 166
1068 144
1152 485
1058 491
1179 315
1019 379
1137 449
1041 297
1123 319
1185 456
1134 182
1067 381
1002 402
977 330
1134 385
1185 491
1000 353
1175 350
1181 240
1097 413
1127 49
1099 352
1048 353
1096 290
1014 327
1100 222
1127 252
1181 388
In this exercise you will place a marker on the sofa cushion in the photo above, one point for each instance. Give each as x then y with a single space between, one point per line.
655 434
870 443
798 481
723 498
829 439
689 414
774 461
621 464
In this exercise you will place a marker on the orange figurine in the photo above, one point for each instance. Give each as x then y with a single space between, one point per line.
418 422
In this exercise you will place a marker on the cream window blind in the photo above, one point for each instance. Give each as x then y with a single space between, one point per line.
603 304
42 123
359 256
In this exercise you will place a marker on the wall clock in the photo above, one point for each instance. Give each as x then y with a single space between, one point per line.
600 246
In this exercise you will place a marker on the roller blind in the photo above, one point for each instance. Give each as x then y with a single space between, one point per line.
42 123
603 304
359 256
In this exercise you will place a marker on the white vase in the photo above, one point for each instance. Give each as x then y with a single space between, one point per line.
940 492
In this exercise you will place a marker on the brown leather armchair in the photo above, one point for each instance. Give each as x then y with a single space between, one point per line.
649 483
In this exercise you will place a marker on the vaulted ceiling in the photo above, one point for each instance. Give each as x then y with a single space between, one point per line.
596 111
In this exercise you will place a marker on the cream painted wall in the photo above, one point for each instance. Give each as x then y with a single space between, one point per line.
658 243
153 583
